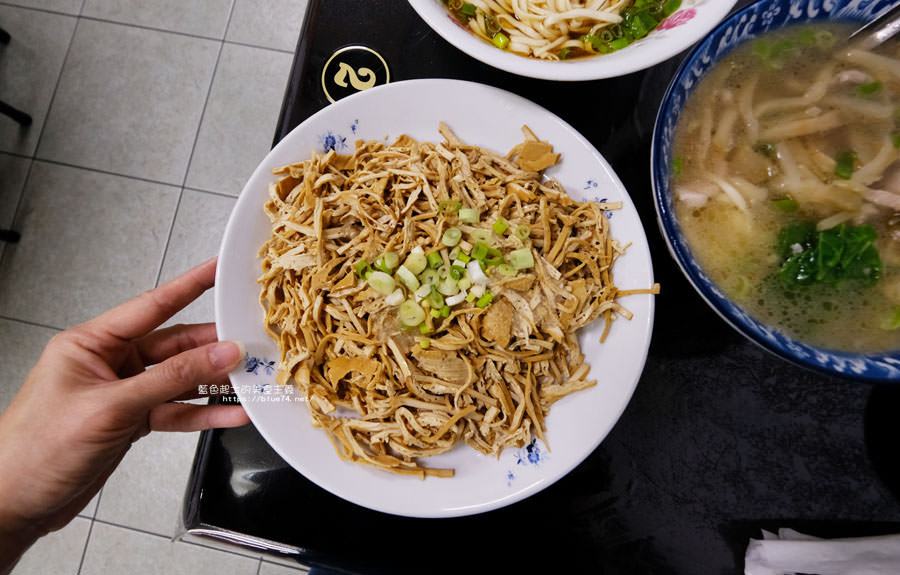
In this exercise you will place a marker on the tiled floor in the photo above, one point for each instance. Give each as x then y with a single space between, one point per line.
148 117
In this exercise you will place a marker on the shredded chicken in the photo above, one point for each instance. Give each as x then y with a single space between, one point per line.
490 373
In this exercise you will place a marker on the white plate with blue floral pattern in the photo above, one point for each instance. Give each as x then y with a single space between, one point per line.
490 118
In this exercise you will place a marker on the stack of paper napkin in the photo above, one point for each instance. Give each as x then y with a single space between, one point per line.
791 552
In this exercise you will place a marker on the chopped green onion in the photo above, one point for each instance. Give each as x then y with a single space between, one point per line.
424 343
449 206
506 270
390 259
825 39
410 313
491 25
448 286
435 298
501 40
500 226
396 297
677 165
618 44
381 282
475 274
468 215
521 259
457 272
464 257
465 283
471 297
454 253
564 53
381 266
435 313
435 260
895 138
362 268
522 232
424 329
785 204
416 262
493 260
485 300
844 165
480 236
467 9
423 291
454 299
430 277
869 89
451 237
670 7
407 278
893 322
479 252
445 311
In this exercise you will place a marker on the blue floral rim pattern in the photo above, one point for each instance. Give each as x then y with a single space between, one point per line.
745 25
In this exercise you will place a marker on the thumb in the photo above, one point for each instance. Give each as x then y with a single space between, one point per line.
184 372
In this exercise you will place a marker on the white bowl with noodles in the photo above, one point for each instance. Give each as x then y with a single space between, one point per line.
576 423
688 24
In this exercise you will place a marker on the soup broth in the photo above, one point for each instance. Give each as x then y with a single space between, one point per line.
787 185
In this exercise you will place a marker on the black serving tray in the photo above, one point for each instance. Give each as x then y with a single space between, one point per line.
720 440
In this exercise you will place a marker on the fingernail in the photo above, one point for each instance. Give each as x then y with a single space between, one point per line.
226 354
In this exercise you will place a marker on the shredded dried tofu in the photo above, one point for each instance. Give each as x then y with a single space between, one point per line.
489 375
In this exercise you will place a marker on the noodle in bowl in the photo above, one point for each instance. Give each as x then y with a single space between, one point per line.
782 199
539 31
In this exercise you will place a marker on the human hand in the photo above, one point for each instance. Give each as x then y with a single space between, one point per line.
90 396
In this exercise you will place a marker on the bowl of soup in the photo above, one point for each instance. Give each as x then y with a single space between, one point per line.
776 175
572 39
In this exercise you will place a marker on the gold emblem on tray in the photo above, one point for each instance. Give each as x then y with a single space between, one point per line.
353 69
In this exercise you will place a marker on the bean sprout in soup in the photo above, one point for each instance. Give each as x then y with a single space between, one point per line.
787 185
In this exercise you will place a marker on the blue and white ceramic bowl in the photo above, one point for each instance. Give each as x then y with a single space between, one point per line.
743 26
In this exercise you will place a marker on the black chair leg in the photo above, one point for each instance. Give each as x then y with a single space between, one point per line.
4 36
10 236
17 115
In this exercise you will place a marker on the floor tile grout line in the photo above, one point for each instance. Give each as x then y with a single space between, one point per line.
87 541
151 28
62 68
187 169
37 142
300 566
81 15
170 538
97 506
31 323
19 200
258 47
165 250
211 192
195 544
44 10
106 172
